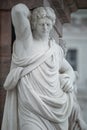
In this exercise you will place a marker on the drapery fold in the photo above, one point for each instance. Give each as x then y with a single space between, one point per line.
34 89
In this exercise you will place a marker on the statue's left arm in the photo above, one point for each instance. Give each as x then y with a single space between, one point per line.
67 76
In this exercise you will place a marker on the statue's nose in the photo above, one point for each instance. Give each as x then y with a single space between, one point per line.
45 26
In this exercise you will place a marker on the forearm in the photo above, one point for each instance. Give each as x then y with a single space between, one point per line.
12 78
20 19
67 69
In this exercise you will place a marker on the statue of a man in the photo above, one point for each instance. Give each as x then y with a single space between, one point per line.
38 96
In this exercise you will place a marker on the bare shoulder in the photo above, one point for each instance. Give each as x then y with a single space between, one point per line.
21 48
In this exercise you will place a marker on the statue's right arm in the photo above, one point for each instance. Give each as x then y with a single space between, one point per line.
21 20
12 78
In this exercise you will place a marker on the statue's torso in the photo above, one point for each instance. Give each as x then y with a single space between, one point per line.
29 47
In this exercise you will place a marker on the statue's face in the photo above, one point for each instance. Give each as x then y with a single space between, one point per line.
43 27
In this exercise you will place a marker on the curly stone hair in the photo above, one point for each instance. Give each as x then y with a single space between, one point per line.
42 12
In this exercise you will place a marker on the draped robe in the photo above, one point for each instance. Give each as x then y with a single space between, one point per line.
34 94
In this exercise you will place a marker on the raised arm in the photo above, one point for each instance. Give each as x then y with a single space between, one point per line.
20 19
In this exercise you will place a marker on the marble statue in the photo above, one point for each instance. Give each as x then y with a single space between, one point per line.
40 82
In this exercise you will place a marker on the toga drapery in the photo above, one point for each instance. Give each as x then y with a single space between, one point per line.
34 94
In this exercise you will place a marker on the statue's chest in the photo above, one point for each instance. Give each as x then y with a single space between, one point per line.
35 50
53 62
